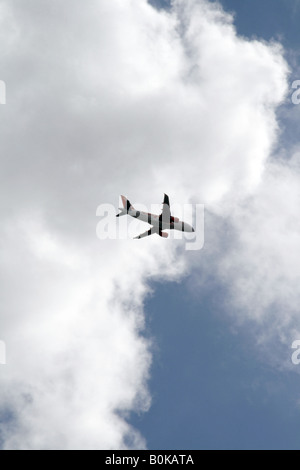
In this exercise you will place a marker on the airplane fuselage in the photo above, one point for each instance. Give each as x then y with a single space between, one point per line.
156 222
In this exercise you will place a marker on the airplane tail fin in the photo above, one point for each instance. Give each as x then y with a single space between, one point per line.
126 206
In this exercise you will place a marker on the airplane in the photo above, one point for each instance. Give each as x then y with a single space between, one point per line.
165 221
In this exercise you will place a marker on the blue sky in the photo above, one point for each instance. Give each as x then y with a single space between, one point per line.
211 388
266 19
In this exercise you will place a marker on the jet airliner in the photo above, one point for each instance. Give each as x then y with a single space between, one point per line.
158 223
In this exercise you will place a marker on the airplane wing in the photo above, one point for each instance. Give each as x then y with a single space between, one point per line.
152 231
166 212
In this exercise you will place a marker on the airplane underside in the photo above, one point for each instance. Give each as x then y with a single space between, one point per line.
159 223
152 231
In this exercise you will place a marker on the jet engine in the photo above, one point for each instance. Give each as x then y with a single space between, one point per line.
135 213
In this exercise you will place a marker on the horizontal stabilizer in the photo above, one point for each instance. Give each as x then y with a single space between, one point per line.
121 213
126 207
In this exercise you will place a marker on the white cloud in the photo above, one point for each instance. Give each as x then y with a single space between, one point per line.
111 98
263 265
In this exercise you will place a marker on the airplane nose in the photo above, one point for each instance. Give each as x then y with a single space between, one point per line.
188 228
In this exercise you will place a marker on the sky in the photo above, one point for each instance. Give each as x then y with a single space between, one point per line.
113 343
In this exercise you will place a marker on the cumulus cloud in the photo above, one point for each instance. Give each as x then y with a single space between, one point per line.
262 266
113 97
